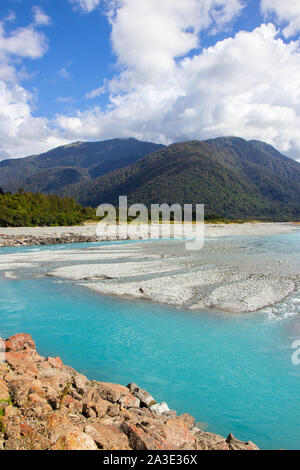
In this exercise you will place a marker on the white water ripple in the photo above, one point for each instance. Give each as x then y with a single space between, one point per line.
284 310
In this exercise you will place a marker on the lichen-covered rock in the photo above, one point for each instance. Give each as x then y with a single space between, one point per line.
80 383
209 441
111 392
145 398
129 401
236 444
46 405
140 440
55 362
107 437
4 392
160 408
177 432
19 342
75 441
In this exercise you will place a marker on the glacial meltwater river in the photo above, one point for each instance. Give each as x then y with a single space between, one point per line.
234 373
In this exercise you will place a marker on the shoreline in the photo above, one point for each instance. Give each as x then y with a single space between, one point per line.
35 236
232 275
47 405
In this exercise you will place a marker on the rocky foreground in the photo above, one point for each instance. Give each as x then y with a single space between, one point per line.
46 405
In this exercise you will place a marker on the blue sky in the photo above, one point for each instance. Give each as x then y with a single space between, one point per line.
160 70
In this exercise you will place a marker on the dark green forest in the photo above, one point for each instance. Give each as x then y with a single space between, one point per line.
30 210
235 179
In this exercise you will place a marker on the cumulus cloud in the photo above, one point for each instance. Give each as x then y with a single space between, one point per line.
169 88
149 35
40 18
20 132
247 85
23 42
287 13
85 5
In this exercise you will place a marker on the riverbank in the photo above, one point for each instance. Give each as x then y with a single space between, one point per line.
230 274
28 236
47 405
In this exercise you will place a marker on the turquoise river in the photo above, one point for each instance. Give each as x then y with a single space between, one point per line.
234 373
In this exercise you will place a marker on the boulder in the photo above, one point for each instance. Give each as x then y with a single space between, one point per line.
19 342
56 425
93 404
4 392
107 437
74 441
160 408
140 440
111 392
145 398
236 444
210 441
55 362
80 383
178 434
129 401
20 388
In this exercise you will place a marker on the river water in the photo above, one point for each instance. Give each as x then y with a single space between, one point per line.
234 373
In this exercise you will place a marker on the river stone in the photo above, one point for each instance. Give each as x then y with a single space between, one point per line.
160 408
145 398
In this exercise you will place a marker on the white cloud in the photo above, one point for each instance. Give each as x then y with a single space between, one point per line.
168 89
64 73
20 132
97 92
85 5
287 12
149 35
23 42
65 99
11 16
248 86
40 18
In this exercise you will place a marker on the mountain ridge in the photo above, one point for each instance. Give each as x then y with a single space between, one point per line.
233 177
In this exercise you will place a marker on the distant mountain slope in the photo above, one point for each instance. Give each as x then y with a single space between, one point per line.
80 161
233 177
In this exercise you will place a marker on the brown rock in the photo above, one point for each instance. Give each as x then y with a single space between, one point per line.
56 425
4 393
129 401
20 388
55 362
113 410
111 392
210 441
188 420
11 412
19 342
177 432
145 398
22 361
140 440
72 404
37 405
107 437
236 444
93 404
80 383
75 441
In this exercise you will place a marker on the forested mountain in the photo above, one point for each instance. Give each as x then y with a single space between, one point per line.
233 177
80 161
